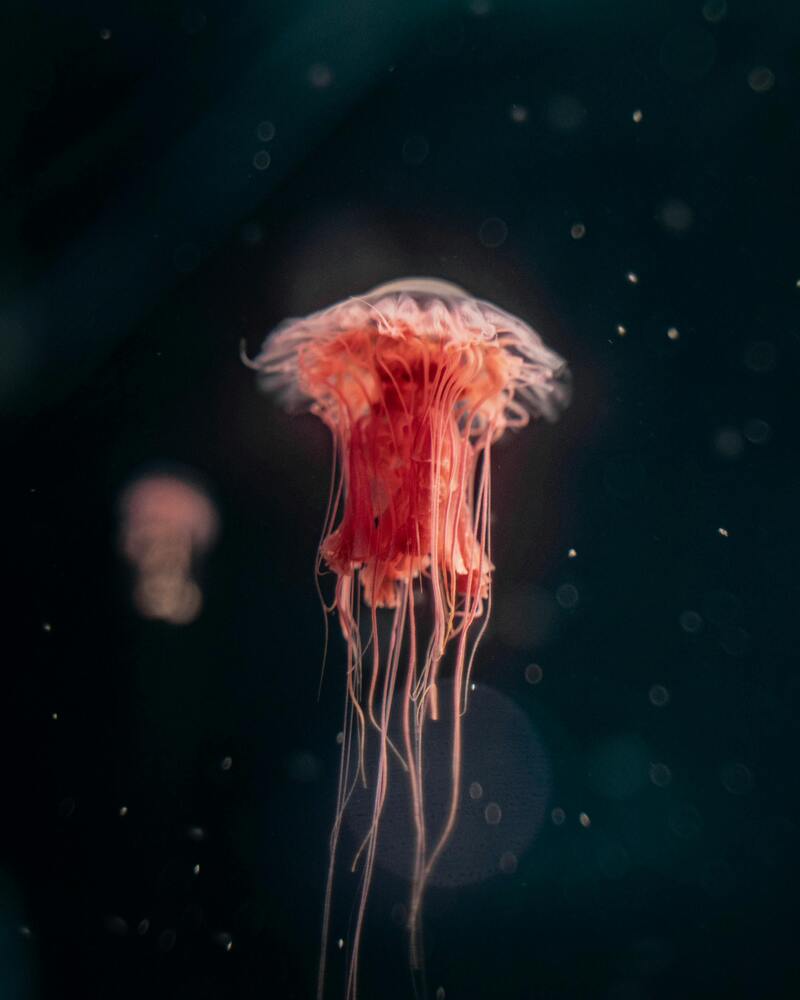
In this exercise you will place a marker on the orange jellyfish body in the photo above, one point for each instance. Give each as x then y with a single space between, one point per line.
416 380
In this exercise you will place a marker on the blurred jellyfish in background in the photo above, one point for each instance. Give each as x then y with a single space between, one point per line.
167 524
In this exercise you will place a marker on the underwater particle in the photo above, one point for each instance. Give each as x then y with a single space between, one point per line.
475 790
577 231
320 76
637 115
567 596
224 940
47 627
251 233
621 330
416 380
558 816
685 821
123 810
415 150
440 993
658 695
715 10
583 819
518 113
262 160
116 925
196 870
723 531
660 775
571 554
166 940
737 779
673 333
760 356
565 113
105 34
54 716
728 443
757 431
632 278
508 863
761 79
493 232
533 673
265 131
691 622
143 927
493 814
226 763
675 216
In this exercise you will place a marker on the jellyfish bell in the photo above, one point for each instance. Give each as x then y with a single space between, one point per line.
416 381
167 522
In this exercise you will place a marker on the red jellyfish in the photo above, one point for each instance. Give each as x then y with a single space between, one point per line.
416 381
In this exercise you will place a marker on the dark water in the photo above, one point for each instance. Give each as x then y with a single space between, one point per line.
623 176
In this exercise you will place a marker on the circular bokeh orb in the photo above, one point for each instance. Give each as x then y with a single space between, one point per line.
503 801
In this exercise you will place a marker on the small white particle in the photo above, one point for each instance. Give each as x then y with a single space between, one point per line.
621 331
54 716
340 943
632 277
572 553
584 820
637 115
673 333
723 532
196 869
47 627
123 811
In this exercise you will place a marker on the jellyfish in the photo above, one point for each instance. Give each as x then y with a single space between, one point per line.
167 522
416 381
